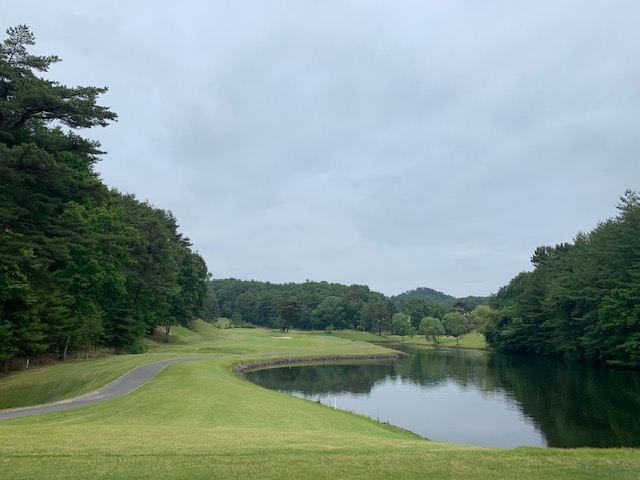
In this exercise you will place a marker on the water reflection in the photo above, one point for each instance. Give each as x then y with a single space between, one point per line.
479 397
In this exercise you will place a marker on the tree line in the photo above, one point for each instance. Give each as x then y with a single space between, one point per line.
81 265
439 297
582 299
331 306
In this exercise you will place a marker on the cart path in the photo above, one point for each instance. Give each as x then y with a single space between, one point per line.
125 384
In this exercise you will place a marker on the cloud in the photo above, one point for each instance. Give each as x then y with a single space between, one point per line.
395 144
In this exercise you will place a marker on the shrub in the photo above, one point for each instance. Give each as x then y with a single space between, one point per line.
136 348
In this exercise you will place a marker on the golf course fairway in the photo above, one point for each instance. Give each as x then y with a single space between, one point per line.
197 419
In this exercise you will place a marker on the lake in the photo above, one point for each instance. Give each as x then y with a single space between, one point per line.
477 397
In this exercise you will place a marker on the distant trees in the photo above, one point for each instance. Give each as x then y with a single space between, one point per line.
480 317
80 265
456 324
581 300
375 316
329 306
288 313
401 324
417 307
432 328
211 308
330 313
433 296
320 305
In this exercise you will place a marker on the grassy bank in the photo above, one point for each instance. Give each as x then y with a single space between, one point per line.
470 340
197 420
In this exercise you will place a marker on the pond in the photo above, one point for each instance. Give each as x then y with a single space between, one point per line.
476 397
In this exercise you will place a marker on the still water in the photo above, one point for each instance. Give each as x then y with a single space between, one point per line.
478 398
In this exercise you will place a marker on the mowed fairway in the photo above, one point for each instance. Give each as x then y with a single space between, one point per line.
198 420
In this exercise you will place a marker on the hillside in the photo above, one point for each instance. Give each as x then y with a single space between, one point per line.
439 297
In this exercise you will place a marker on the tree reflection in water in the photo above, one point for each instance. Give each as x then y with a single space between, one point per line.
570 404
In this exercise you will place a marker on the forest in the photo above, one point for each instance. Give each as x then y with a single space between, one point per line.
331 306
82 266
582 299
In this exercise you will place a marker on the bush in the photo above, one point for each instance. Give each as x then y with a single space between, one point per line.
136 348
222 323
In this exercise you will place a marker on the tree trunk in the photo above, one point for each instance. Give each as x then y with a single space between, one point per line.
65 349
167 328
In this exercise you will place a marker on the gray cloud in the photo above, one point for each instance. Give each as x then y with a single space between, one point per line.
395 144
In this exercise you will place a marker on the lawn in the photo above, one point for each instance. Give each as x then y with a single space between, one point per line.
198 420
472 340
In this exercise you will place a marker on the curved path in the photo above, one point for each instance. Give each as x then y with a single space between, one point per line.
125 384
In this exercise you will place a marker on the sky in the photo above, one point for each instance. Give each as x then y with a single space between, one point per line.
396 144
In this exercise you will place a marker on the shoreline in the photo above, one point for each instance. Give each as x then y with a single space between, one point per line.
242 368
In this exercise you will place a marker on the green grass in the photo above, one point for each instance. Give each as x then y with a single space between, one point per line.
43 384
197 420
470 340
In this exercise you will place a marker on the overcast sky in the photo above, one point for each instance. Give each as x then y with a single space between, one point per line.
397 144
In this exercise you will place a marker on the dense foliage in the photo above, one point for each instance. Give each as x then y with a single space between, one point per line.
80 265
434 296
582 300
329 306
309 305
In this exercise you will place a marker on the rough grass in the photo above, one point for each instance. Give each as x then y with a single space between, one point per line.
197 420
470 340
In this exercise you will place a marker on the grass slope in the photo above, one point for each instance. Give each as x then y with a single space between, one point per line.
197 420
472 340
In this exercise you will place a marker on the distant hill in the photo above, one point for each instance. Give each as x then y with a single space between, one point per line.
439 297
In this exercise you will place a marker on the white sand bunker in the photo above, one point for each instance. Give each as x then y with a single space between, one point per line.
281 337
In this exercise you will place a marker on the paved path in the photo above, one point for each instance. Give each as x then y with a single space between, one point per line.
125 384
